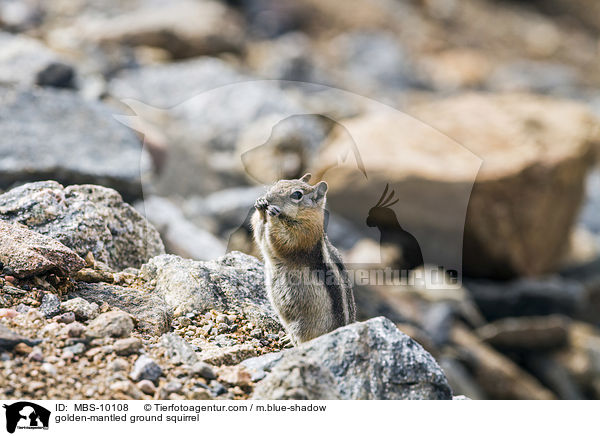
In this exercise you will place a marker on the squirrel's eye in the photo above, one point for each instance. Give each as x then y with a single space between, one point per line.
296 195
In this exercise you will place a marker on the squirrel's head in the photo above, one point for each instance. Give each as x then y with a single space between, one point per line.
295 196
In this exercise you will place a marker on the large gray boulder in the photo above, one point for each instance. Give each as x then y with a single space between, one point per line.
484 194
47 133
233 282
27 253
85 218
362 361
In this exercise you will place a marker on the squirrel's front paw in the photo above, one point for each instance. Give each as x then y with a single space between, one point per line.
273 210
261 203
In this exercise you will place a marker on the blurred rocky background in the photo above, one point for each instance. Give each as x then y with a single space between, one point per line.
114 112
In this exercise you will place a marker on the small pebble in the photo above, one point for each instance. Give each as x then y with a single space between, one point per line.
145 369
50 305
172 387
49 369
119 365
204 370
75 330
127 346
217 388
8 313
36 355
75 349
22 348
146 386
23 308
66 318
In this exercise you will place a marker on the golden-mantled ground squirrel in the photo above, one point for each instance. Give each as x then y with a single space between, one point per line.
306 280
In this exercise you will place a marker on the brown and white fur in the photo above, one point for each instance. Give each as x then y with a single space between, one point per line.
306 280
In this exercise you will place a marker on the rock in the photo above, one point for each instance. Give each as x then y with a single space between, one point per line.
115 324
22 349
367 360
583 11
204 370
235 376
515 134
554 375
50 305
232 282
454 69
496 374
150 310
179 235
178 350
370 63
82 309
184 28
169 388
49 369
145 369
303 380
24 59
57 75
147 387
127 346
288 57
227 354
217 388
9 339
20 16
41 122
157 85
74 330
527 297
227 207
225 121
66 318
270 18
119 365
85 218
74 349
580 358
526 333
591 207
28 253
531 76
128 388
9 313
460 380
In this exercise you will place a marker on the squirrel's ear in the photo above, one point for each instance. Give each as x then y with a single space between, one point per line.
306 177
320 190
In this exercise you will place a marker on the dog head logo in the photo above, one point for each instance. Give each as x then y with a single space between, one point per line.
26 415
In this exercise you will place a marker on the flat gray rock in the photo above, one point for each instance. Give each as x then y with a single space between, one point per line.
150 311
28 253
47 133
371 360
85 218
